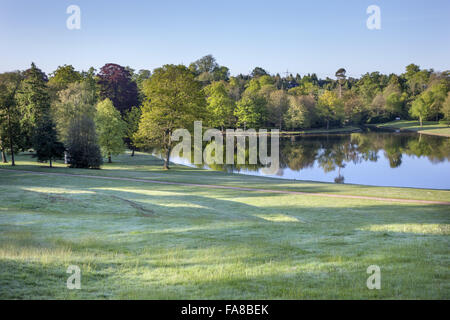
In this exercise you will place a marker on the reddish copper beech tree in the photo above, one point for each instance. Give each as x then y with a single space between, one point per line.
116 84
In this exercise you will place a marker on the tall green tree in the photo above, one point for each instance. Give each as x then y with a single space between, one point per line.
421 106
341 75
111 129
220 106
300 112
45 141
277 106
174 100
446 108
132 119
330 107
63 76
79 99
428 104
82 144
34 100
251 111
10 129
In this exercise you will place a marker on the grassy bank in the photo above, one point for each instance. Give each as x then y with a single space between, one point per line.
143 240
429 127
144 166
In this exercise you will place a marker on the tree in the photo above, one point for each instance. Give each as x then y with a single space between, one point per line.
277 107
369 86
221 73
251 111
429 103
63 76
354 110
10 129
45 142
439 94
340 75
116 84
205 64
330 107
34 101
132 119
82 145
174 100
416 79
111 129
220 105
77 100
139 78
446 108
258 72
394 100
300 112
420 106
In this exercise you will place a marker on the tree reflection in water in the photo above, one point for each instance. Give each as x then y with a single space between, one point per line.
334 151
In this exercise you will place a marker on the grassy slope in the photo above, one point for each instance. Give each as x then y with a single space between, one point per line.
144 166
206 243
429 127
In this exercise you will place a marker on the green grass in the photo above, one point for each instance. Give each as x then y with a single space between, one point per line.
150 241
429 127
144 166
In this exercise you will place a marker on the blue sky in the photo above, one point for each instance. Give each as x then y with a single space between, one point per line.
295 35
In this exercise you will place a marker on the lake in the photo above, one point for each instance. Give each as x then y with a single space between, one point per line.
378 158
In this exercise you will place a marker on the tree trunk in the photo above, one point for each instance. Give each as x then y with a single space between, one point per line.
51 163
109 158
11 144
4 160
420 119
328 124
132 151
166 160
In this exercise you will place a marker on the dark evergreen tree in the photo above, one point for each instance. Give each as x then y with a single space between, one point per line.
34 101
45 141
11 137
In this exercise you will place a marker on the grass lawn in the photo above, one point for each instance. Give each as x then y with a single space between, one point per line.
151 241
429 127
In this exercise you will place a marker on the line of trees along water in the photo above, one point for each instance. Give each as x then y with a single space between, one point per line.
94 115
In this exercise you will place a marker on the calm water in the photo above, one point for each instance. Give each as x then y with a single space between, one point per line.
369 158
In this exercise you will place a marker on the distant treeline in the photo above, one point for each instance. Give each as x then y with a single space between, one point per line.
92 114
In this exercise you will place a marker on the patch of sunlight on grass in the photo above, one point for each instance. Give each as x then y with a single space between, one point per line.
11 251
57 190
278 218
422 228
140 191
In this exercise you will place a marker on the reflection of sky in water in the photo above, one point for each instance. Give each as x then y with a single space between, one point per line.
413 172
